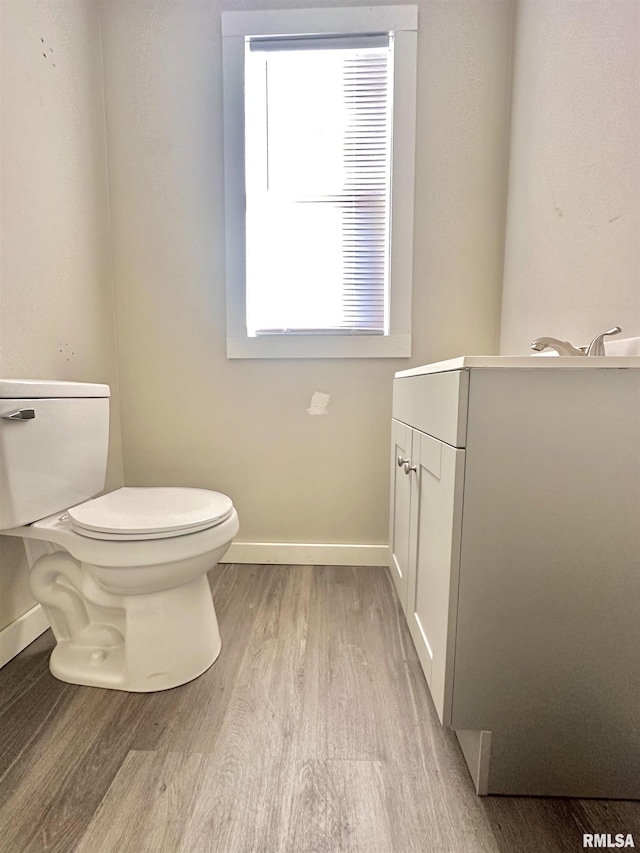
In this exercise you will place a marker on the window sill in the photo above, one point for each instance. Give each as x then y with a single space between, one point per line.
320 346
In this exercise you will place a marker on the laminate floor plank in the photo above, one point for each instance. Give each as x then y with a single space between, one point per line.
530 825
339 807
22 724
30 699
367 700
26 669
355 678
431 802
271 655
71 732
314 731
148 806
73 770
245 796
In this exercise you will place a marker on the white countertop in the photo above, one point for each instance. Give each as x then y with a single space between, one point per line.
524 362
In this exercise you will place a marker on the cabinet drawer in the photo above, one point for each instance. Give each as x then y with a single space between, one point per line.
435 403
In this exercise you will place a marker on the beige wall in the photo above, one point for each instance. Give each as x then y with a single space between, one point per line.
56 307
189 415
572 265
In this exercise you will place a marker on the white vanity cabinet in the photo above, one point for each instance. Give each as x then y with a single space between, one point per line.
427 476
515 551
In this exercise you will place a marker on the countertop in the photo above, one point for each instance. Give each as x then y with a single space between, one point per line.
525 362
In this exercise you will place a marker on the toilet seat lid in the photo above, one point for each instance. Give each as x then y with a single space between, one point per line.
150 511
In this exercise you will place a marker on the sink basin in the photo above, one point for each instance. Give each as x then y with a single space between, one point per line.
625 347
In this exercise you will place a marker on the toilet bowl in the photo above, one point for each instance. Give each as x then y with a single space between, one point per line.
123 579
129 614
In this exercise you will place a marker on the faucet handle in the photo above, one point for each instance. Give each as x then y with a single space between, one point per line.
596 347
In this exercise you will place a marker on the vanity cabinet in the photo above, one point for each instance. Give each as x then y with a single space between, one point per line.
428 478
515 552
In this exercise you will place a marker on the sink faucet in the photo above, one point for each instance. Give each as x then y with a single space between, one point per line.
596 347
561 347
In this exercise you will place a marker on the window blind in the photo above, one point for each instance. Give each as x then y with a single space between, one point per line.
318 118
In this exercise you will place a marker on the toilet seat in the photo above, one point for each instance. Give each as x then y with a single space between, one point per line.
130 514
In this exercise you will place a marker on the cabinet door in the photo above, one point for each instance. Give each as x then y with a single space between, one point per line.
400 509
432 596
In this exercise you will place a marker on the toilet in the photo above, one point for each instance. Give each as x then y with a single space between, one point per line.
122 577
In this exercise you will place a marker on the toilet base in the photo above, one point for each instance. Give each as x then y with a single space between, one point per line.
77 665
157 641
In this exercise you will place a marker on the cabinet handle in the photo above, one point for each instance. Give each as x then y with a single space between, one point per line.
402 461
409 467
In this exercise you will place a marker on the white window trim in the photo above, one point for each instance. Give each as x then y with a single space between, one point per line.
402 21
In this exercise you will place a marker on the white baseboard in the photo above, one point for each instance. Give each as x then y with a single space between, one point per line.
21 633
295 554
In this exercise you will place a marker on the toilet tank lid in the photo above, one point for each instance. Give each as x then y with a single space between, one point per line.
36 389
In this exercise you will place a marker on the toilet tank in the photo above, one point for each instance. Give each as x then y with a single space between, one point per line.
54 438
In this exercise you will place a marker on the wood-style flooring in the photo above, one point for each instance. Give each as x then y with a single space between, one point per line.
312 733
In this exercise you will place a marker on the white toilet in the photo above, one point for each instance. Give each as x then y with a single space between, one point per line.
124 577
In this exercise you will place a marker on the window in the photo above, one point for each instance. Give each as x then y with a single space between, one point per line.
319 111
317 180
